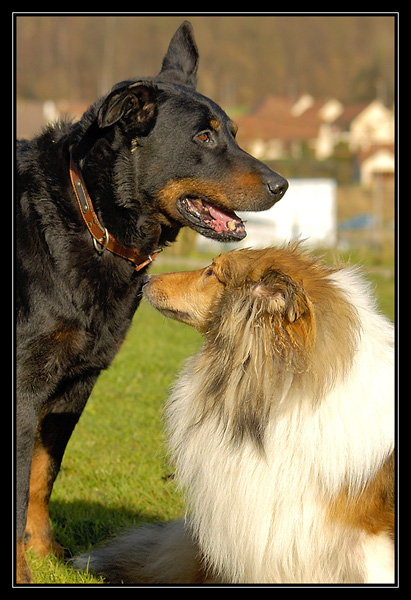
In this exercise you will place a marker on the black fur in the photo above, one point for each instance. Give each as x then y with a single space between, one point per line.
73 305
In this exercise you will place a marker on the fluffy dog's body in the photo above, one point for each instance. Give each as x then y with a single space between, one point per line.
281 429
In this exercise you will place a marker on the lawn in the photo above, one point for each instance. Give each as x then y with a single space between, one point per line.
115 471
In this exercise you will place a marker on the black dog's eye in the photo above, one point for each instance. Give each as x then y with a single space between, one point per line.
205 137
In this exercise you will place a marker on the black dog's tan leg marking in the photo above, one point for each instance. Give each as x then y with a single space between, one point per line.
23 574
38 522
53 432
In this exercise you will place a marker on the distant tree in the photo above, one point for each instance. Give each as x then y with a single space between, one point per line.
243 58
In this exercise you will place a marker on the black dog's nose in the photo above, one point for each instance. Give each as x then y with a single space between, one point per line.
146 279
277 186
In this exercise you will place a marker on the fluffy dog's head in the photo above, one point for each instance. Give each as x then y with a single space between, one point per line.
281 297
269 282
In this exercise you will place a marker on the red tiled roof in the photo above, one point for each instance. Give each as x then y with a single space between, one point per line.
349 113
272 119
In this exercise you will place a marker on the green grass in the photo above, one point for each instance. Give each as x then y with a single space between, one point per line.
114 472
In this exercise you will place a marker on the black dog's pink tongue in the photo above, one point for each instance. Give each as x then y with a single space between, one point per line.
224 221
220 221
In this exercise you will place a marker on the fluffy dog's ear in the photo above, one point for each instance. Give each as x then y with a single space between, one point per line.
180 64
282 295
134 103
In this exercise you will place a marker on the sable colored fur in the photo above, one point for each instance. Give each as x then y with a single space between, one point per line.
281 429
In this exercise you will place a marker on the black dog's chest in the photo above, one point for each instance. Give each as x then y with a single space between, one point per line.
78 339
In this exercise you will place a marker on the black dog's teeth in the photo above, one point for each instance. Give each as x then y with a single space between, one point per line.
211 220
196 207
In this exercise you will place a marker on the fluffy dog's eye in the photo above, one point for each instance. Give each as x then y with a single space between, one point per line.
208 272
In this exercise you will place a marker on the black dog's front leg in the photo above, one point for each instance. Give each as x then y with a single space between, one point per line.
26 422
54 430
41 441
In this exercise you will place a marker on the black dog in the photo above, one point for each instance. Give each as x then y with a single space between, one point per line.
95 202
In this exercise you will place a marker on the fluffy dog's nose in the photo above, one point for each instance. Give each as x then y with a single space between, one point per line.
277 186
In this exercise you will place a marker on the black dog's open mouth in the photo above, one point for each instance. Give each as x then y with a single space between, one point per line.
210 220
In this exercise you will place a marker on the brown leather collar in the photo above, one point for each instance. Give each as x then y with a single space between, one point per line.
102 239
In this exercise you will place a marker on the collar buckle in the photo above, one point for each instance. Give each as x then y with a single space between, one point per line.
101 244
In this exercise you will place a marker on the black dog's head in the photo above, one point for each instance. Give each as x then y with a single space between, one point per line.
174 151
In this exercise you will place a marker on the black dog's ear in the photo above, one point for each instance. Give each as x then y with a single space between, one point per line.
181 61
135 102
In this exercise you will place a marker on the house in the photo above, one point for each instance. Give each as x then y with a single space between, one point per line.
365 125
273 131
377 166
33 115
278 129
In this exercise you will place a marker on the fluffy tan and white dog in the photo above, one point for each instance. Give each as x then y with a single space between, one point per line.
281 429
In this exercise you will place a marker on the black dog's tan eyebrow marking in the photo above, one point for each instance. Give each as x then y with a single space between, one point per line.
216 125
